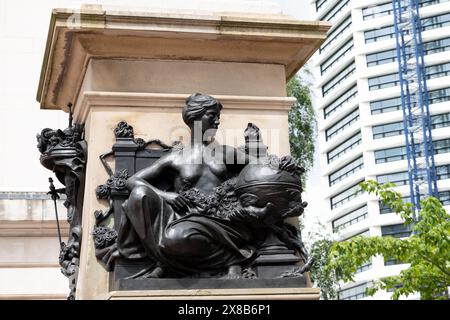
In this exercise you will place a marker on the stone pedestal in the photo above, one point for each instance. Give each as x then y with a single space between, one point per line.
219 294
140 67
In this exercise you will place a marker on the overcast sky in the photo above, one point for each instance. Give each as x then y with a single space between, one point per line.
297 8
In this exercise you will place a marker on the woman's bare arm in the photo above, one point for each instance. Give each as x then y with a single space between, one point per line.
163 167
146 176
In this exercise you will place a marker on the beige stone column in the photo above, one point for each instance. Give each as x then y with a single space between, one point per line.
141 66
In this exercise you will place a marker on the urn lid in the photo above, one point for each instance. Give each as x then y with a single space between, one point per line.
271 171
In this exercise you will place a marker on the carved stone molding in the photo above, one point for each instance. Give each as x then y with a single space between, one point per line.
91 99
147 35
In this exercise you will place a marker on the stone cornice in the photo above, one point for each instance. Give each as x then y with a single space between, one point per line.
32 228
76 37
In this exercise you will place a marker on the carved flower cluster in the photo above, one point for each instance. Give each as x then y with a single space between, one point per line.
220 204
102 192
123 130
118 180
104 237
201 201
227 200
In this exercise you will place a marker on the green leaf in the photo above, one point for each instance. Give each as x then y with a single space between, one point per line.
427 250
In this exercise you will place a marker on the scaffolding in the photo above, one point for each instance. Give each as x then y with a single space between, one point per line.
414 96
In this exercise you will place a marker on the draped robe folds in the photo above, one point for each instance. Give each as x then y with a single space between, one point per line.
152 217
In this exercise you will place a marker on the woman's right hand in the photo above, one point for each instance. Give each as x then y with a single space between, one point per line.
177 201
267 215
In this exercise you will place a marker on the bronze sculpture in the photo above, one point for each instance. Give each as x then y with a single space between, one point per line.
196 213
207 214
64 152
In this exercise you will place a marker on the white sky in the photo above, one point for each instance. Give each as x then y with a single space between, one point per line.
300 9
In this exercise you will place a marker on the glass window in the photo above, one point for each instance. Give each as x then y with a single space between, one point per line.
364 267
344 147
399 178
345 122
394 288
443 172
386 8
337 56
441 146
354 293
444 197
438 96
425 3
350 218
379 34
386 81
436 46
335 10
440 120
386 105
393 104
388 32
389 261
336 32
396 230
340 101
377 11
319 4
437 71
391 154
385 208
399 153
346 171
388 56
335 81
377 58
345 196
388 130
435 22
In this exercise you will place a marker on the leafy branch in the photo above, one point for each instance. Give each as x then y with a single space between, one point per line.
427 250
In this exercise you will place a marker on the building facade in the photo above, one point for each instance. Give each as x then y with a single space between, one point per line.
360 119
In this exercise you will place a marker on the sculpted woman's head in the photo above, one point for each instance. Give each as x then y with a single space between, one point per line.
202 109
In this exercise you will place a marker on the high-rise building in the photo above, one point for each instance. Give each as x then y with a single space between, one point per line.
360 119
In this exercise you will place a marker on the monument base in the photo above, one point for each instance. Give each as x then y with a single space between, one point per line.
183 283
219 294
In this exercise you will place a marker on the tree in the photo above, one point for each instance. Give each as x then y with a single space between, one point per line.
302 134
427 250
323 278
318 242
302 121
